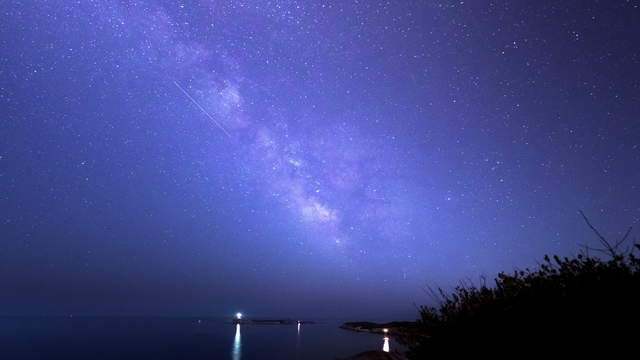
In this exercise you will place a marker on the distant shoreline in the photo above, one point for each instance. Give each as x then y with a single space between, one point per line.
389 328
270 322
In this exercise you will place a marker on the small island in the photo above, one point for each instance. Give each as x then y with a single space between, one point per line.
379 328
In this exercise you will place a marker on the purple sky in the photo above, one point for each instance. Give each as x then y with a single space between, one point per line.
304 157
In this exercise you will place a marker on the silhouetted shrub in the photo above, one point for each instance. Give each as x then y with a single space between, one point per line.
582 304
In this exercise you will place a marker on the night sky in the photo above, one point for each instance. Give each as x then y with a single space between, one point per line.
305 158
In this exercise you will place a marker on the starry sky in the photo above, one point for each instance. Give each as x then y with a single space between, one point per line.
308 158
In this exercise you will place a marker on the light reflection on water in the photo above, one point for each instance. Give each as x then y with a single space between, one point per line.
298 342
385 346
236 350
236 353
163 338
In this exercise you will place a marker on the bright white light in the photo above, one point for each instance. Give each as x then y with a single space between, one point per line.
238 316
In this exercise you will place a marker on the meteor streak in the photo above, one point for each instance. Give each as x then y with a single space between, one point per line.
201 108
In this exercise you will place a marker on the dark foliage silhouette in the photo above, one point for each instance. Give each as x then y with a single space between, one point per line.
579 305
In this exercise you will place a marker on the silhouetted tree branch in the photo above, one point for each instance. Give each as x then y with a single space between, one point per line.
612 250
563 303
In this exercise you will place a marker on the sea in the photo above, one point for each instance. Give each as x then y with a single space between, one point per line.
140 338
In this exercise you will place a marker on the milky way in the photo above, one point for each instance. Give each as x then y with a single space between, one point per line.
332 177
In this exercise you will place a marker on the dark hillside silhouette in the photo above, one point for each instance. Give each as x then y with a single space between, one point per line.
575 305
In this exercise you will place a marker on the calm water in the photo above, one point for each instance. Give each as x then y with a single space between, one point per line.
165 338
